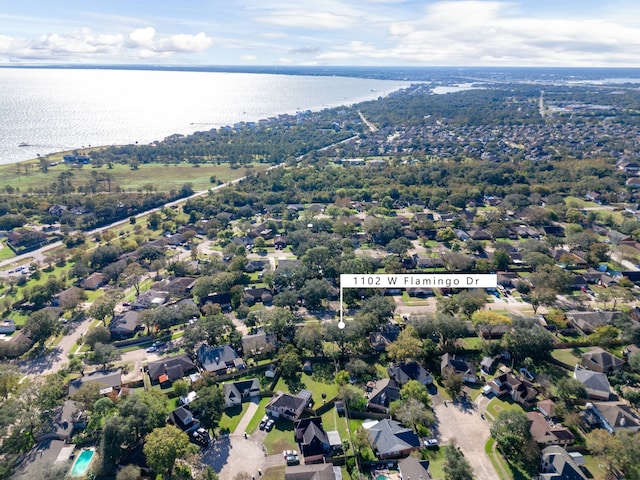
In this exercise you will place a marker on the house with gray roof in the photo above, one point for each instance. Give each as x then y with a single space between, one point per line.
557 464
108 380
599 360
391 440
173 368
218 359
587 322
411 467
459 366
384 392
612 416
236 392
125 325
312 439
285 405
321 471
596 383
404 372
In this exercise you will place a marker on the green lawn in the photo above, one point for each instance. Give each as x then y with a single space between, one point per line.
593 465
255 421
281 437
5 252
274 473
314 383
496 405
568 356
436 461
232 416
332 421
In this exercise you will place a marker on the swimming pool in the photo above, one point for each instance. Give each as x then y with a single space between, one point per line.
381 476
81 465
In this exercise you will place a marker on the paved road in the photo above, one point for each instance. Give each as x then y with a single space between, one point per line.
463 423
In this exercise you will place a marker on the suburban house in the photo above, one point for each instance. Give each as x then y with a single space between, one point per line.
384 337
587 322
545 434
452 364
596 383
547 408
171 368
404 372
259 342
182 418
285 405
319 471
93 281
383 393
71 418
599 360
236 392
108 381
520 390
125 325
390 439
612 416
7 326
312 439
149 299
411 467
218 359
558 464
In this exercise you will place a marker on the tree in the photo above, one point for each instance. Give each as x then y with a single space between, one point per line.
309 337
132 276
511 432
42 324
104 306
414 389
452 383
471 300
407 346
130 472
314 291
88 394
412 412
289 361
210 405
164 445
487 321
501 259
99 334
9 378
103 354
455 466
541 296
181 388
570 389
144 411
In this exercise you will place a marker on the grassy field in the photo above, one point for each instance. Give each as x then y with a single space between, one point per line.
5 252
232 416
162 176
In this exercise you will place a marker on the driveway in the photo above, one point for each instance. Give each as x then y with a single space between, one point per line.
462 421
232 454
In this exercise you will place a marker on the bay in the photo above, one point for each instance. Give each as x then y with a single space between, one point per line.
43 111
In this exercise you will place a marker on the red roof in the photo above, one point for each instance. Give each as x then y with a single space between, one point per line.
163 378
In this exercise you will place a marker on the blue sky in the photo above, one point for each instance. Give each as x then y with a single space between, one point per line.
322 32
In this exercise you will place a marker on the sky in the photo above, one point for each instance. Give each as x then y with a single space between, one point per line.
551 33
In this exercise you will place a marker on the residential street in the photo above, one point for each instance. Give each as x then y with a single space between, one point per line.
462 421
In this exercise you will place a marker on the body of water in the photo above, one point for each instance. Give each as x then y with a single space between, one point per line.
49 110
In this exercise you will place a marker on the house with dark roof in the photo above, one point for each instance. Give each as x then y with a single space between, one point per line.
108 380
391 440
125 325
182 418
599 360
544 433
612 416
451 364
312 440
173 368
404 372
518 389
385 336
285 405
218 359
236 392
596 383
67 420
557 464
413 468
384 392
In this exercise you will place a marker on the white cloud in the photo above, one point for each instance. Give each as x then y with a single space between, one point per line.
185 43
142 37
84 45
309 20
248 58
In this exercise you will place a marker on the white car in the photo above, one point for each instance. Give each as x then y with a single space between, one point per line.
152 349
431 443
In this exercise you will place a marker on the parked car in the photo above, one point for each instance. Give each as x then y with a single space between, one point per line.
269 426
151 349
263 422
200 437
292 460
431 443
